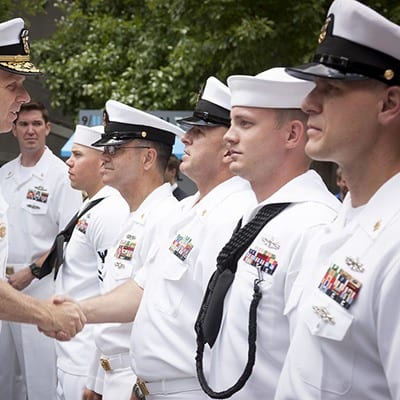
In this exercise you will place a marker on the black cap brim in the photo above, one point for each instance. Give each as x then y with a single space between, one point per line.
309 72
20 68
110 141
190 122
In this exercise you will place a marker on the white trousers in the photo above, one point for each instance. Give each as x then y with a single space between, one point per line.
118 384
29 363
70 387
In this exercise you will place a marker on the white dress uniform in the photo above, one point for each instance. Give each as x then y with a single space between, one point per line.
177 271
113 340
268 255
345 343
3 237
41 202
95 232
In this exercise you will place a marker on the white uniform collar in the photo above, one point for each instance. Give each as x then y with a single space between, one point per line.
217 195
156 196
305 187
379 211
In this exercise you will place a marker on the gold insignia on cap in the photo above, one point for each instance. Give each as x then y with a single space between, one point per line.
20 66
104 121
200 93
322 34
143 134
25 40
3 230
389 74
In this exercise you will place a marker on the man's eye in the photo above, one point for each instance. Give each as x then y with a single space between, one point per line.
245 124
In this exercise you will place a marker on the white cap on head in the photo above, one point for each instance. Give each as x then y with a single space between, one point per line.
362 25
355 43
273 88
212 108
14 48
217 93
86 135
124 123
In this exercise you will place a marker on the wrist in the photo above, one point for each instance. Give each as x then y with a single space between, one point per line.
45 317
35 270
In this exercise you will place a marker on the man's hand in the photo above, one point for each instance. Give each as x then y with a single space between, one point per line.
91 395
65 320
20 279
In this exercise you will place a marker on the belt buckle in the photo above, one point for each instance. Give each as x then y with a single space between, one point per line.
140 389
105 363
9 270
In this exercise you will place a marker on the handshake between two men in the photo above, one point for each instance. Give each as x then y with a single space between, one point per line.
66 318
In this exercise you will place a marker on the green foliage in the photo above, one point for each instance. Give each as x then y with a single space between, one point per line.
155 54
11 8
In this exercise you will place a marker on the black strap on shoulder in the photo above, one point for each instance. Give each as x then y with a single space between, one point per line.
210 315
55 257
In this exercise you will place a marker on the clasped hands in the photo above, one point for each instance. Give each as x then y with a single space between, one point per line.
64 318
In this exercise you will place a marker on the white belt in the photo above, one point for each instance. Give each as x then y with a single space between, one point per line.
118 361
171 386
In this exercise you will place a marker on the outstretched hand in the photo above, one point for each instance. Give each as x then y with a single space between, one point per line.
66 318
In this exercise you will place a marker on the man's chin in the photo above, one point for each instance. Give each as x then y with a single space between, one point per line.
107 178
5 127
235 168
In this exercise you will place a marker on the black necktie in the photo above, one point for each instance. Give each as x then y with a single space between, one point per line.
56 254
210 315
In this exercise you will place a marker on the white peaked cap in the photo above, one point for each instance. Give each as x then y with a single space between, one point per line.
124 123
14 48
10 31
355 43
212 108
360 24
217 93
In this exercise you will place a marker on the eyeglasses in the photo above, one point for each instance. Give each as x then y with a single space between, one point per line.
111 150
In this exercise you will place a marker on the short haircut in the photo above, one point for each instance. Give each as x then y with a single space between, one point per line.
285 115
35 105
173 163
163 152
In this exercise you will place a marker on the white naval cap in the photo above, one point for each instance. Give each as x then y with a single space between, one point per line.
124 123
273 88
86 135
355 43
14 48
213 106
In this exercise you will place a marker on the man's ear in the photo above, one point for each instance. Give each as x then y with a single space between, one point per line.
13 129
390 106
295 133
150 157
48 128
